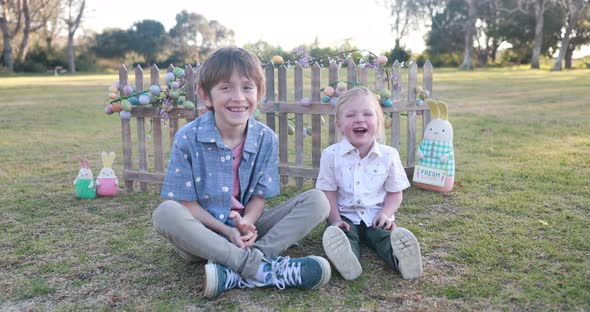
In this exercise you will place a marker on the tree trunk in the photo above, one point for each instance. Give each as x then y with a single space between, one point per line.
469 33
568 57
538 41
71 63
24 44
7 47
574 14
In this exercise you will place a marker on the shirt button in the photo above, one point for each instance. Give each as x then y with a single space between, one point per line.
221 216
358 202
228 157
358 182
362 212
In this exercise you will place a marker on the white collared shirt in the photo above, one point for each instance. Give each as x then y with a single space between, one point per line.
361 184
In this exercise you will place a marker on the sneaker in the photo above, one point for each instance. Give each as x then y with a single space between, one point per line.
309 272
219 278
406 251
337 248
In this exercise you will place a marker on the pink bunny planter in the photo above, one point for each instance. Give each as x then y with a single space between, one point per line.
106 182
435 169
85 186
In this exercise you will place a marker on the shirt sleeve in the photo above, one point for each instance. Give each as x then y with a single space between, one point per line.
178 182
326 180
397 180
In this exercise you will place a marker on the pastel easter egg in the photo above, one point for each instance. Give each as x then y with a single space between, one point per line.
424 94
256 113
113 95
175 85
113 89
155 90
329 91
338 92
144 99
126 105
180 101
169 77
387 103
153 99
385 93
127 90
326 99
333 101
164 88
290 129
382 59
117 84
419 102
341 85
305 102
174 94
134 100
189 105
178 72
125 115
108 110
418 89
116 107
277 60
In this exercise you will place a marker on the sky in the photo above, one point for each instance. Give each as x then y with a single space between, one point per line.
365 22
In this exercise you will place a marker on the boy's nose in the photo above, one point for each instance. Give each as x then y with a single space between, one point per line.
237 95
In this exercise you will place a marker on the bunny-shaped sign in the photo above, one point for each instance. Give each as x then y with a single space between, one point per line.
85 186
106 182
435 170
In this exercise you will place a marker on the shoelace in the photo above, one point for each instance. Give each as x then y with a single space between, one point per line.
234 279
284 273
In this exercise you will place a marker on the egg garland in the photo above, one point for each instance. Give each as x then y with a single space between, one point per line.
164 97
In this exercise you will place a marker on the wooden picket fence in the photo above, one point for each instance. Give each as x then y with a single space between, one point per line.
281 111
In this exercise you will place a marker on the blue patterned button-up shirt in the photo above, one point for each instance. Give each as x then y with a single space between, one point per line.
200 166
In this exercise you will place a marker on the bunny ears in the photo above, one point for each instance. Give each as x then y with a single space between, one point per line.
107 161
438 109
83 162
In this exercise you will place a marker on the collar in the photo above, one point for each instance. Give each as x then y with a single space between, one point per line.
346 147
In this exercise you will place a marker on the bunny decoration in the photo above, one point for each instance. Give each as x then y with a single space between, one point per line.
106 182
85 187
435 170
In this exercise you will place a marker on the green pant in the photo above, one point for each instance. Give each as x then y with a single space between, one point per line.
376 238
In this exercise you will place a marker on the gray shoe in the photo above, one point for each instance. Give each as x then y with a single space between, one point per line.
406 251
338 250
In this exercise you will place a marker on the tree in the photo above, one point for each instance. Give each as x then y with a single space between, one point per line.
112 43
75 10
36 14
469 34
580 36
149 39
446 36
574 9
10 23
193 36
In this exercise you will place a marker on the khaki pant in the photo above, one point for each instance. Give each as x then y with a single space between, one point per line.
278 229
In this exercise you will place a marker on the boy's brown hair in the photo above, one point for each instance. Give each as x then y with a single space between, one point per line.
220 65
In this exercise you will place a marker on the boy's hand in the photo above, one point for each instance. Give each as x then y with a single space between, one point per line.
341 224
381 220
248 233
242 225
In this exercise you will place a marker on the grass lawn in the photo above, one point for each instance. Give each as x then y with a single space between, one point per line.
512 235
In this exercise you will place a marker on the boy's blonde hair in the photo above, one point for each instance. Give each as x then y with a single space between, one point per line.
220 65
361 91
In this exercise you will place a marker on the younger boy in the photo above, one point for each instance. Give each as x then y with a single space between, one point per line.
222 167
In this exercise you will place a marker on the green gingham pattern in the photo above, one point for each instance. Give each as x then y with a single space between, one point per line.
433 151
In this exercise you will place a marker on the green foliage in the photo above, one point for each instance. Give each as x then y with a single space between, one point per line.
149 39
112 43
400 54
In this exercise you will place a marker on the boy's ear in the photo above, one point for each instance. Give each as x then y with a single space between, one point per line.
203 96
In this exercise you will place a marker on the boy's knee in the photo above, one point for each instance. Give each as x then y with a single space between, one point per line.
320 202
164 211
